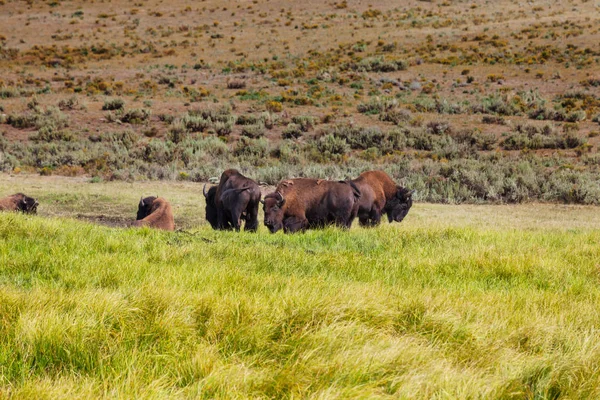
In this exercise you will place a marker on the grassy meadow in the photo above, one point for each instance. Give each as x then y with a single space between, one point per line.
454 302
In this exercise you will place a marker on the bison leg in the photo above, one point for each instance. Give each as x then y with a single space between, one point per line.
294 224
236 214
375 217
363 220
222 223
251 218
343 218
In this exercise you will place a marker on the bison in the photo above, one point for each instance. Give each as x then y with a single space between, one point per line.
298 204
155 212
19 202
380 195
235 198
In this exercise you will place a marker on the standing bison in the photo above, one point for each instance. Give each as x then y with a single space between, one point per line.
298 204
19 202
235 197
155 212
381 195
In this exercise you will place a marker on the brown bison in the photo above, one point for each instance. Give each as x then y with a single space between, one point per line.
298 204
235 198
19 202
155 212
380 195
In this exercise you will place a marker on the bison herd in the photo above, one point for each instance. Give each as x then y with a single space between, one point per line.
304 203
295 205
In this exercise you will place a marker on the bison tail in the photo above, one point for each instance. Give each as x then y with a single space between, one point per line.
355 190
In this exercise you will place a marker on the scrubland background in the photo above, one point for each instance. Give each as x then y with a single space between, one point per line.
462 101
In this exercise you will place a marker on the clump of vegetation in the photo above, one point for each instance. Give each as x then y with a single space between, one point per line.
305 122
329 147
254 151
68 104
236 84
377 105
38 118
367 137
292 131
493 120
397 116
113 104
545 137
134 116
376 64
253 131
51 134
439 127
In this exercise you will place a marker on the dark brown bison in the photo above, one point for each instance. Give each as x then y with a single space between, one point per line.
19 202
235 198
380 195
298 204
155 212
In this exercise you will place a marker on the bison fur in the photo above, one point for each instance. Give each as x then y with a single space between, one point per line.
236 198
19 202
155 212
380 195
302 203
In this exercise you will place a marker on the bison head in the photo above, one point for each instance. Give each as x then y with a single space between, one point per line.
26 204
145 207
211 207
273 208
397 207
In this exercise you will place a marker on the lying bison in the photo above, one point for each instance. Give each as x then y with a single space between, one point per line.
235 198
380 195
155 212
19 202
298 204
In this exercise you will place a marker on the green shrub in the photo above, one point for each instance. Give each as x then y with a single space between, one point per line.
366 137
135 116
68 104
38 118
438 127
253 131
177 132
252 150
305 122
113 104
493 120
50 134
496 104
377 105
292 131
332 145
376 64
396 116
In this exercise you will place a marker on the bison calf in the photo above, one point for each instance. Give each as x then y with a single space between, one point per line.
298 204
235 198
380 195
19 202
155 212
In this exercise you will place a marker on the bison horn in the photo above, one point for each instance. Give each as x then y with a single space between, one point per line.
280 196
411 193
204 190
142 201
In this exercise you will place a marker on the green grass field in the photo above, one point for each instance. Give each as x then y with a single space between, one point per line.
455 302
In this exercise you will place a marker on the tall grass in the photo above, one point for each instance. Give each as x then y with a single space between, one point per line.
417 310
